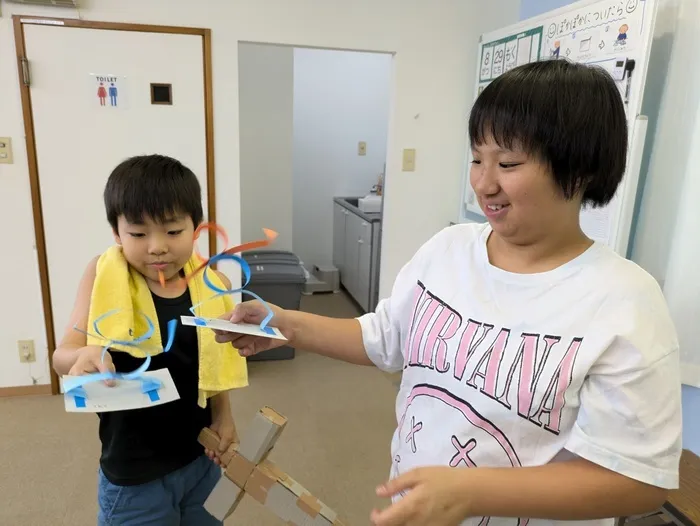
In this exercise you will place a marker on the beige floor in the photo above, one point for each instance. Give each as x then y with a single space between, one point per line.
336 443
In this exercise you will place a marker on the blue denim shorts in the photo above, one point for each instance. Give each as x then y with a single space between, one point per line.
174 500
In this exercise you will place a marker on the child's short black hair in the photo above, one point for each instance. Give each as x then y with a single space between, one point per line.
153 186
568 115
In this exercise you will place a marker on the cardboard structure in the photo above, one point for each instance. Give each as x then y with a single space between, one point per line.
247 470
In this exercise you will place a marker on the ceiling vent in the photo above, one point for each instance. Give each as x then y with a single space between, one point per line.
52 3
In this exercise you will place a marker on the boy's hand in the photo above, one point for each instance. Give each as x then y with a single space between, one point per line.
226 429
434 495
90 361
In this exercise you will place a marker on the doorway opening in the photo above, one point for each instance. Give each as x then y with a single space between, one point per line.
314 124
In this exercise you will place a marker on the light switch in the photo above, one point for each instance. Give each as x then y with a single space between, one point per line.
362 148
409 160
5 150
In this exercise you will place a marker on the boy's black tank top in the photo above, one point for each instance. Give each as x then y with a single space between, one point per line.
143 445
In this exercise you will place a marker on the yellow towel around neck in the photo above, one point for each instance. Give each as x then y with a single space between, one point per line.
119 287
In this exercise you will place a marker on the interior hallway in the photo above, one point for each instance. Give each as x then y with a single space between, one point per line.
336 443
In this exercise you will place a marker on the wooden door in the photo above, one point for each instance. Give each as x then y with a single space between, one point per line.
91 105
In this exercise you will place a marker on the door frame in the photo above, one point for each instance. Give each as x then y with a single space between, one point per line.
19 21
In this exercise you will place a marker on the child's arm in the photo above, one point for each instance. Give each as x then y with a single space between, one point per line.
625 447
372 339
573 490
569 490
222 417
73 356
333 337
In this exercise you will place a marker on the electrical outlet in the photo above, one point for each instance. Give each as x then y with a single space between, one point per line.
26 351
362 148
5 150
409 160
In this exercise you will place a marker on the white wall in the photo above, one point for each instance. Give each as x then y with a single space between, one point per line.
666 242
672 101
682 290
265 93
340 98
21 317
435 45
666 238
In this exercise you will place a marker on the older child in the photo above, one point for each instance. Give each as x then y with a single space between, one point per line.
540 369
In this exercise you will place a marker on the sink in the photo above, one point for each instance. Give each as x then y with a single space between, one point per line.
353 201
371 204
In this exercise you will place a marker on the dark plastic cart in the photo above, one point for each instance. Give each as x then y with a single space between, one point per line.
277 277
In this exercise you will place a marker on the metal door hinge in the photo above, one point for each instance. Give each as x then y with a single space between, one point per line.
26 77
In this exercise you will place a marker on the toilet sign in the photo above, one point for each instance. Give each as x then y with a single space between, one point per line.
108 91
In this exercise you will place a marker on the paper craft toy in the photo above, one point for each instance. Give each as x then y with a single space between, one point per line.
134 389
247 470
230 254
144 388
96 397
241 328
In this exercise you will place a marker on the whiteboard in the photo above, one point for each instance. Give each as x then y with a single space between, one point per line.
612 34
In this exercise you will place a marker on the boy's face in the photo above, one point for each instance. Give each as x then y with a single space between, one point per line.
518 194
151 246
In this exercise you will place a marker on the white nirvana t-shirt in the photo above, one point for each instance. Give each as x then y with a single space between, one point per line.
503 369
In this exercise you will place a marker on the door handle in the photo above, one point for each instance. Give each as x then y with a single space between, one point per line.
360 241
365 223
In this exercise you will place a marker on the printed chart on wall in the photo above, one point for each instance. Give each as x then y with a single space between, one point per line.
504 54
614 35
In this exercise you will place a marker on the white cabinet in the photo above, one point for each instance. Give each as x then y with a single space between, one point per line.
352 255
339 216
356 254
364 264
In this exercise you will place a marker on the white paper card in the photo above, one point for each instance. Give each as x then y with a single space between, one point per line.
124 396
240 328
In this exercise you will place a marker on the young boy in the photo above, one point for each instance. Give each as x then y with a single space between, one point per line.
152 469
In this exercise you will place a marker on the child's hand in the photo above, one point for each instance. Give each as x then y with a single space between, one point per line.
90 361
253 312
435 495
223 426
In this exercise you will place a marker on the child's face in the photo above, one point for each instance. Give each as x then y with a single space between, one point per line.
518 194
152 246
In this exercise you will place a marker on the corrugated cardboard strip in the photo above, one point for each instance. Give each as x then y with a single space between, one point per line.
288 499
249 471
